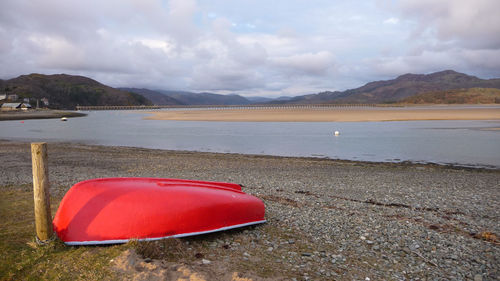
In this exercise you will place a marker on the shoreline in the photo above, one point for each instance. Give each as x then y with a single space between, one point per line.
405 163
326 219
369 114
38 114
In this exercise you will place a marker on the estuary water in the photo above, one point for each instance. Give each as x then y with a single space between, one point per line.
463 143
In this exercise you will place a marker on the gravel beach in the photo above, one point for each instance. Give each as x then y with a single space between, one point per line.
327 219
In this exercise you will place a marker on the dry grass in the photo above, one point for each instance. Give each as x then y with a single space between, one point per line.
237 251
23 259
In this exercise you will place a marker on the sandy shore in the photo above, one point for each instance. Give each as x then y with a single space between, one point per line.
327 219
331 114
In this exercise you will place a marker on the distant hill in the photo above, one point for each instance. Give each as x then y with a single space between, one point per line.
259 99
155 97
457 96
402 87
206 98
66 91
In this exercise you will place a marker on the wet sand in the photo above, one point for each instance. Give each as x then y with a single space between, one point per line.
359 114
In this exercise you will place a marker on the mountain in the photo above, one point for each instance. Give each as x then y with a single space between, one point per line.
287 99
284 98
457 96
164 97
259 99
395 90
323 97
66 91
206 98
155 97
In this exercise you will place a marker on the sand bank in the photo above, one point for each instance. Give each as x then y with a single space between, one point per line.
331 114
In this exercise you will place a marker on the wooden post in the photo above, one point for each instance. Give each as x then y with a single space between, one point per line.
43 218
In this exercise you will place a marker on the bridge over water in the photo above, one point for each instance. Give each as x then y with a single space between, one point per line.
221 107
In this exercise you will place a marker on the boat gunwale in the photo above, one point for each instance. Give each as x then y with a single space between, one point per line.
120 241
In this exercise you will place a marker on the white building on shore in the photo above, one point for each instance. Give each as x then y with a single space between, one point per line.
11 106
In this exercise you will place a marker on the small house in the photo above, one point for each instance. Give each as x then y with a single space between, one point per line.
25 106
3 97
10 106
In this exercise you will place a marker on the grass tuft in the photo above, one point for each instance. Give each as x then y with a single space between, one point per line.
23 259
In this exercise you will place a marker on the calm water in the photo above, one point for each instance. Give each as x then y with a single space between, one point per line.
469 143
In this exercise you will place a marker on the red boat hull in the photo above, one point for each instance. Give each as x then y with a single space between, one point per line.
115 210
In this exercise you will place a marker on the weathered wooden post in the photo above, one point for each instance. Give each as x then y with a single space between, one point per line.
43 218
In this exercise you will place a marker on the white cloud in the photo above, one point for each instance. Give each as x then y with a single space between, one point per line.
392 21
214 78
484 63
232 46
178 21
473 24
168 48
308 63
445 34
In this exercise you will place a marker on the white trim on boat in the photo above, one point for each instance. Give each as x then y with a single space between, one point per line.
75 243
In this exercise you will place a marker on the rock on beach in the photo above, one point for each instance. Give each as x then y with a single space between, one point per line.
327 219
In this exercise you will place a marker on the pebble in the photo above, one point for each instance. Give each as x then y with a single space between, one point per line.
338 213
204 261
414 247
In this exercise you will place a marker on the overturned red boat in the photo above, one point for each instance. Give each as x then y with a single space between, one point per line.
116 210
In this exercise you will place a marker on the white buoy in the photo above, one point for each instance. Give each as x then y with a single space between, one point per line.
337 133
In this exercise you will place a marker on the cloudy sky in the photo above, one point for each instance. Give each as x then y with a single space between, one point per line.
248 47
